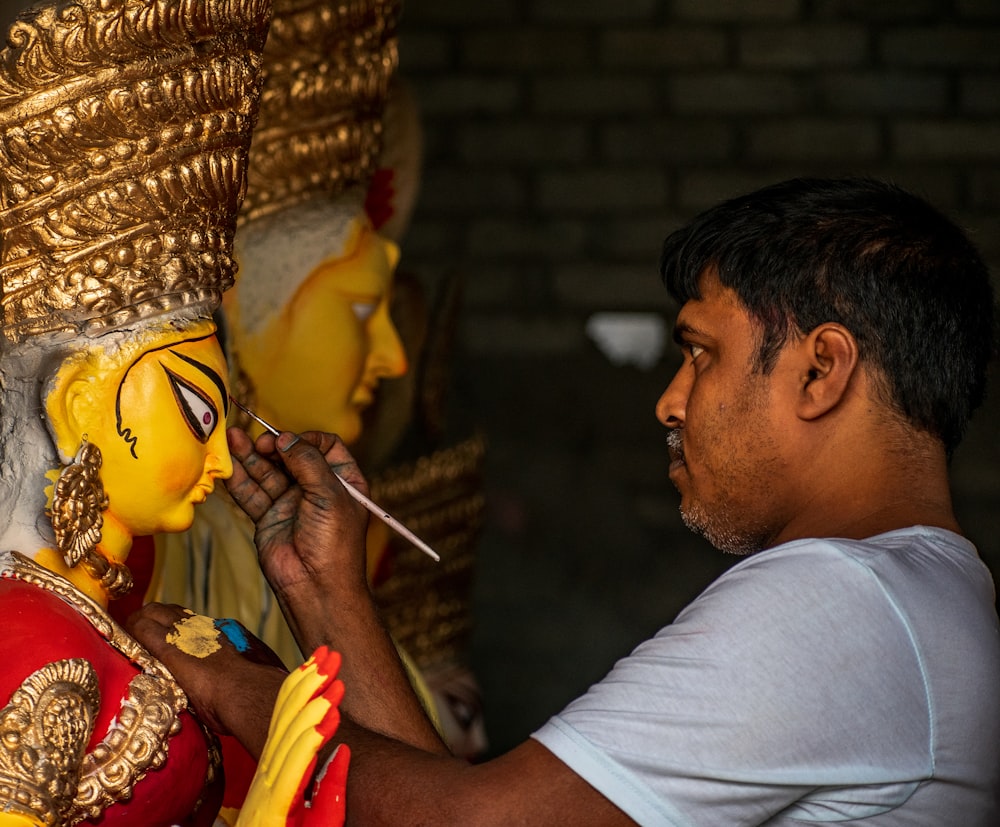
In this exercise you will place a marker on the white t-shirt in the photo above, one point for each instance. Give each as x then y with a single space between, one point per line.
855 682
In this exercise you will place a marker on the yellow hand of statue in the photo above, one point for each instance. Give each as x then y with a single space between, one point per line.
305 718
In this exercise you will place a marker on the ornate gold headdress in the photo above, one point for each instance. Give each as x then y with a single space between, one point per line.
327 69
124 131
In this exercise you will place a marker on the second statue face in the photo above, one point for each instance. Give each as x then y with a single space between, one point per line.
317 364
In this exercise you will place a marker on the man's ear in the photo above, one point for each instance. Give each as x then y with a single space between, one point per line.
831 358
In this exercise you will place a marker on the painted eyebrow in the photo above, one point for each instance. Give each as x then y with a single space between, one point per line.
211 374
126 433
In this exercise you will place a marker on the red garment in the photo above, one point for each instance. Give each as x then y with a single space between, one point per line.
40 627
141 562
240 766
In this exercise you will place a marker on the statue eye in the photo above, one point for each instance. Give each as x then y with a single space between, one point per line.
363 310
199 412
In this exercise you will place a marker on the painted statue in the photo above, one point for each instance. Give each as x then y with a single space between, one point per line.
124 133
309 332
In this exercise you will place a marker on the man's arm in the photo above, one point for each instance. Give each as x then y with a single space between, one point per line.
389 782
310 536
392 783
311 542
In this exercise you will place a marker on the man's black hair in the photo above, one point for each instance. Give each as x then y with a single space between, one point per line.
893 270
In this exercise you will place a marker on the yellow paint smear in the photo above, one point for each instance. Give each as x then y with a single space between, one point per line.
195 636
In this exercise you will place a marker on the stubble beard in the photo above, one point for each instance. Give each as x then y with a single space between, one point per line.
726 526
720 531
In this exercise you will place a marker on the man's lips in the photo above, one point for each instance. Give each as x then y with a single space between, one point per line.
675 448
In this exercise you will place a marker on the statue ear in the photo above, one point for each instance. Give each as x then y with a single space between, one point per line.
70 408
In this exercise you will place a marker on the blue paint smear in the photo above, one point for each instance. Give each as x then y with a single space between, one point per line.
232 630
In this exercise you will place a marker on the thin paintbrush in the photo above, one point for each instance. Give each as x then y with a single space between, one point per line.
372 506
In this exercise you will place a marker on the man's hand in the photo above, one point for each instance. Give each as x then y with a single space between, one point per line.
311 542
230 677
310 532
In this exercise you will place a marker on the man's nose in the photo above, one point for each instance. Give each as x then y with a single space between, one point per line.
672 404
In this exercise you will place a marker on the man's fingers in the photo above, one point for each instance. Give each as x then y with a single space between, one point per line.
313 457
157 616
152 624
239 441
256 481
258 463
266 464
149 633
322 440
247 494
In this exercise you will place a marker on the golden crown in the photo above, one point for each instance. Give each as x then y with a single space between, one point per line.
124 131
327 69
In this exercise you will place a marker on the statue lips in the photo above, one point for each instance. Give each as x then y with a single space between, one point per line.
201 491
364 395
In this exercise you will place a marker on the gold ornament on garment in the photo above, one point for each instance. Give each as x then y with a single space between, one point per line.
44 732
78 503
46 770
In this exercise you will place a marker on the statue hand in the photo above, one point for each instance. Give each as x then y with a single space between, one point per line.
229 676
306 716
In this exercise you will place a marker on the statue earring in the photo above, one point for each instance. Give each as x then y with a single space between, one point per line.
77 503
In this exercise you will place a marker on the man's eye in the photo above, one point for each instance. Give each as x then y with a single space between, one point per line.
363 310
199 413
694 351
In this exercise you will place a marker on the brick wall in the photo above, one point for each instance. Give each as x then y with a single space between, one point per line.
564 140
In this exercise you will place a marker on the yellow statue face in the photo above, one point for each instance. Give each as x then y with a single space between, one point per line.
318 363
158 417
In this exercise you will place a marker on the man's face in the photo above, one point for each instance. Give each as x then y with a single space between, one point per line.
726 445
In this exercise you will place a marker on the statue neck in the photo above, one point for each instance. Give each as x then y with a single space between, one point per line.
101 577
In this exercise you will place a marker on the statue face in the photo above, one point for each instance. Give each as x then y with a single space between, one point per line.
159 419
318 363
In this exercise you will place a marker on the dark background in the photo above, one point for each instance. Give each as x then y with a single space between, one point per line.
564 140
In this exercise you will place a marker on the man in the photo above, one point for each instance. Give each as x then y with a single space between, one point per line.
836 336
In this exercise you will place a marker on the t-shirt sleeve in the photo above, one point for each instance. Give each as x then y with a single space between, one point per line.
793 669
